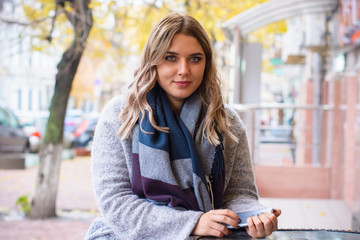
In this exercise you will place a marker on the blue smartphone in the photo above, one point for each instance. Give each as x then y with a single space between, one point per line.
245 215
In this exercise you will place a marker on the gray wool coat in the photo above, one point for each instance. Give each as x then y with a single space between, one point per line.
126 216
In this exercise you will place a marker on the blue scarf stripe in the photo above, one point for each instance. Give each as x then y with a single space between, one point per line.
177 139
156 139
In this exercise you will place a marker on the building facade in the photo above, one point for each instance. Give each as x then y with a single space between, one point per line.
26 75
323 41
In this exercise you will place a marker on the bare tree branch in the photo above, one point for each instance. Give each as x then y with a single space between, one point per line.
22 23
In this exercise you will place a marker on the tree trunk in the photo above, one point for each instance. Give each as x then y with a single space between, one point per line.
43 204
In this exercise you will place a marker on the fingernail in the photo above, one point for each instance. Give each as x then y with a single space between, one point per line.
273 210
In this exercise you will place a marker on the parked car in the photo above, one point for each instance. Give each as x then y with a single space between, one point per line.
34 136
34 124
13 140
72 120
83 136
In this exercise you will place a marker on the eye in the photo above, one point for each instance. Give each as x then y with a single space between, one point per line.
195 59
170 58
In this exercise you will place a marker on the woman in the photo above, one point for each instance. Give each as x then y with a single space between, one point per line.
170 161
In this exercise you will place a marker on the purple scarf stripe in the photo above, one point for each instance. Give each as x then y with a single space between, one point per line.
156 190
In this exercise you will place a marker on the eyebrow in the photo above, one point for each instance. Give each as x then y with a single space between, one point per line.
193 54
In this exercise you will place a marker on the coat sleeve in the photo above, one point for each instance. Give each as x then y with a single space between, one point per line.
240 189
123 212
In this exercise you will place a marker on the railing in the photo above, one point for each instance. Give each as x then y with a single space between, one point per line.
293 133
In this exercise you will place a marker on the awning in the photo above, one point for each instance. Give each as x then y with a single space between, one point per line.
273 11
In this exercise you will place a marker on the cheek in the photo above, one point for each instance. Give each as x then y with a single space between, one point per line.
200 72
165 71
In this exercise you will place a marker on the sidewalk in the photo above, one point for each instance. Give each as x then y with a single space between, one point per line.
43 230
75 203
330 214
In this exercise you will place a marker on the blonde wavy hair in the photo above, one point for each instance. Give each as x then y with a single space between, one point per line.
215 119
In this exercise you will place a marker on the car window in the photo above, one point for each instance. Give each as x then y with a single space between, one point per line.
13 121
8 118
3 117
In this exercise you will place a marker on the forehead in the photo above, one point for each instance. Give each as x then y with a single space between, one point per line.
182 43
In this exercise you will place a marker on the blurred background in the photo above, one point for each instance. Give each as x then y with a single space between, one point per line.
290 68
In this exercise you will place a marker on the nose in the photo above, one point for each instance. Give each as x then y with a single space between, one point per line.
183 68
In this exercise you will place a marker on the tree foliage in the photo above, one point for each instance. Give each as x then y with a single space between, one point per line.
121 28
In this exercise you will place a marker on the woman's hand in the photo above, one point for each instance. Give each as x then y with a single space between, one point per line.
263 225
210 223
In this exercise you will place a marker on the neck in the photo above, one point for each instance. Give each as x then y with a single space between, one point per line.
176 106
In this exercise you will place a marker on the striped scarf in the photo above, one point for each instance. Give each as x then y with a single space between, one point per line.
178 168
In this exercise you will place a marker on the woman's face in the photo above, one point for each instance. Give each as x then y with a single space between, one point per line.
181 71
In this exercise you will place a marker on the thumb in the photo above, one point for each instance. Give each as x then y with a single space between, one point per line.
276 212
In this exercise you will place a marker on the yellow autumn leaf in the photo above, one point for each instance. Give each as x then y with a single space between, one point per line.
30 12
108 44
267 66
68 7
67 40
94 4
36 48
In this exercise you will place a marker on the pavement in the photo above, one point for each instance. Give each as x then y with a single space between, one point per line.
76 207
328 214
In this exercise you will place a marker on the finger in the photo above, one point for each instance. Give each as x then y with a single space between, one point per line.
273 220
225 219
251 229
226 212
206 226
259 226
276 212
225 216
267 223
214 233
220 228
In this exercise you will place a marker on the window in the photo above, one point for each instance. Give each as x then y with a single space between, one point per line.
8 118
19 99
3 118
40 100
30 100
13 121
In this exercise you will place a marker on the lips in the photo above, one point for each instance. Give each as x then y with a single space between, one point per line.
182 84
